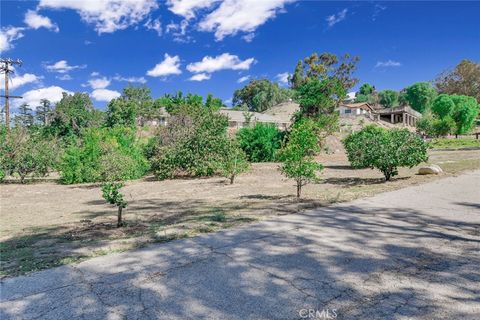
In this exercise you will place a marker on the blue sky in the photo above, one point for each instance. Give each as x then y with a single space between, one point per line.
99 46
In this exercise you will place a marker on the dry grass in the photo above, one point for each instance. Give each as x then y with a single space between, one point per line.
46 224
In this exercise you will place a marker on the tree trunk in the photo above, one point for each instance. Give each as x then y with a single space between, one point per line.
232 178
299 188
119 220
388 176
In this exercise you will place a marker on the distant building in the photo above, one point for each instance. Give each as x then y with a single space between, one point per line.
402 114
355 109
239 119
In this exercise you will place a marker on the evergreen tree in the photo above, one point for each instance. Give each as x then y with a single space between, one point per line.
24 118
297 79
43 112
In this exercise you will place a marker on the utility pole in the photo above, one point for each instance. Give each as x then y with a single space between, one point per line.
5 68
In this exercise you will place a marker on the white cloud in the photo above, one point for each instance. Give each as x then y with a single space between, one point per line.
336 18
64 77
18 81
249 37
33 97
107 15
282 77
154 25
8 35
62 67
234 16
243 79
36 21
130 79
95 74
99 83
170 65
389 63
105 94
225 61
187 8
179 31
200 77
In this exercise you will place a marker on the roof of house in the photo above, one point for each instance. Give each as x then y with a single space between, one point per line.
283 111
358 105
239 116
398 110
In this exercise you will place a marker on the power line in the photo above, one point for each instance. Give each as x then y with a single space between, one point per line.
5 68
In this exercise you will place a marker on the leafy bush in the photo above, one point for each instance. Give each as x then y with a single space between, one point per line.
102 154
385 150
432 126
25 153
261 143
234 162
298 154
450 114
193 143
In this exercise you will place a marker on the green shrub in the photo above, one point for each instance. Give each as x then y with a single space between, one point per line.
385 150
25 153
261 143
192 144
102 154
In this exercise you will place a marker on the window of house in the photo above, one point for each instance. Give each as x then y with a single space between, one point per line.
348 111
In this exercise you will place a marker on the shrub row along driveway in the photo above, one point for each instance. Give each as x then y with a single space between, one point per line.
411 253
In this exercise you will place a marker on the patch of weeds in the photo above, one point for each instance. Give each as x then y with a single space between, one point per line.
219 216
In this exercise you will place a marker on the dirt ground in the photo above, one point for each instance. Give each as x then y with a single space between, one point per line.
45 224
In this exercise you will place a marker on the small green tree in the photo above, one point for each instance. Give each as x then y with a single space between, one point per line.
386 150
111 193
298 154
234 161
388 98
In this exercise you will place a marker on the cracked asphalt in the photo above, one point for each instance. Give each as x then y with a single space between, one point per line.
408 254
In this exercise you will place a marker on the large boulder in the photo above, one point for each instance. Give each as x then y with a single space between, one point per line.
430 169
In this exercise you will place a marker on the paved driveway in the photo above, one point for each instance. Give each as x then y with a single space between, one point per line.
412 253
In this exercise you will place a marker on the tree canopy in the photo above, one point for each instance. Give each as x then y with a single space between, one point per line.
73 113
325 66
464 79
260 95
385 150
420 96
388 98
